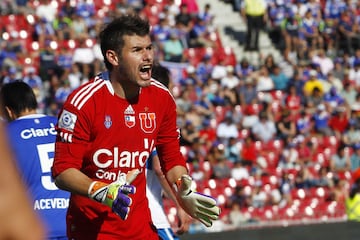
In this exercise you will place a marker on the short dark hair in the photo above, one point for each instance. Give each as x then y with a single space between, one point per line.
161 73
112 36
18 96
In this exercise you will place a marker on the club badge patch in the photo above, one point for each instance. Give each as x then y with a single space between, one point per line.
67 121
107 122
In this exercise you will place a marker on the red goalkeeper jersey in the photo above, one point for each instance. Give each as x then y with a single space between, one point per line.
104 135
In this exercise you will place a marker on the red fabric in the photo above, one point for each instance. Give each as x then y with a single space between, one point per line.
104 135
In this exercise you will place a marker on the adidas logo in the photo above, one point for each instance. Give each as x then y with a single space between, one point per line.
129 110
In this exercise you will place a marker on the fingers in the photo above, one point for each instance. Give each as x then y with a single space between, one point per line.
131 175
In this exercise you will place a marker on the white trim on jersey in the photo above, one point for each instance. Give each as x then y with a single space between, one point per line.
158 84
84 94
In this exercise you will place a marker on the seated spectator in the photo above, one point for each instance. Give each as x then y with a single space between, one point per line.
248 154
199 35
173 48
188 134
227 129
340 160
323 179
304 178
286 126
239 171
220 168
321 121
264 129
315 99
304 124
239 197
313 83
230 81
355 157
279 78
339 121
264 83
244 69
237 218
339 192
292 99
232 150
259 198
351 135
333 98
289 157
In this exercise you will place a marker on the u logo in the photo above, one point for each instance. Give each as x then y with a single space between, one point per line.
147 122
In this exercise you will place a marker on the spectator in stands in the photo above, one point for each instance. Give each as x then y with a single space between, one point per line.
351 136
314 100
321 121
305 151
290 27
232 150
230 81
340 160
333 98
236 217
286 126
304 178
326 63
188 134
220 168
240 197
227 129
184 18
173 48
259 198
312 83
323 179
264 129
47 10
248 154
239 171
279 78
292 99
289 157
339 121
199 35
309 34
44 31
347 32
243 69
204 68
62 27
339 192
12 75
264 83
355 156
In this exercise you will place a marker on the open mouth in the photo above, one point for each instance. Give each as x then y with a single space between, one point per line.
145 71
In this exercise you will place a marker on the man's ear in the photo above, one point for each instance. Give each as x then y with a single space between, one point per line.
10 113
112 57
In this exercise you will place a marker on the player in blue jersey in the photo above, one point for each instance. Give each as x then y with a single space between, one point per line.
32 139
156 184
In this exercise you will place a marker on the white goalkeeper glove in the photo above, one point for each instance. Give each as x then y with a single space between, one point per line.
115 195
197 205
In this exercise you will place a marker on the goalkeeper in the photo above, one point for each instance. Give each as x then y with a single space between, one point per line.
107 129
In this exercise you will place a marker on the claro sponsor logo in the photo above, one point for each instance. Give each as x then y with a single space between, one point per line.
38 132
105 158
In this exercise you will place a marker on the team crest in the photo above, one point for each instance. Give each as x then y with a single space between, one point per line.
107 122
147 122
129 117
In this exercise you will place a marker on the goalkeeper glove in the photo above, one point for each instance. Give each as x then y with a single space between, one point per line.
115 195
197 205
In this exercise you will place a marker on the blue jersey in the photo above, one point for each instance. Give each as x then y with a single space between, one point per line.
32 139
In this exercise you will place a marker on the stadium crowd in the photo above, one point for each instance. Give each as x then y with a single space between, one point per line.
276 140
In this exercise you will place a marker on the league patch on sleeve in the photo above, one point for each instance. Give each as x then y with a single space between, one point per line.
67 121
